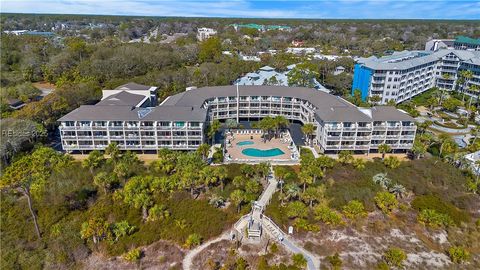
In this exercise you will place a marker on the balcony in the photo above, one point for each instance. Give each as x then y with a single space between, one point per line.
409 127
394 127
115 128
364 128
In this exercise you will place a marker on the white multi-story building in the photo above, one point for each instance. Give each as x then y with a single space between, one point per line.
402 75
179 122
205 33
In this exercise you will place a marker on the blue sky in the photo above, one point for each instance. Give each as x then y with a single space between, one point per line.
354 9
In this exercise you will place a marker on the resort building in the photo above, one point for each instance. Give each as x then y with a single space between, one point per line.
180 121
205 33
269 76
402 75
459 43
466 43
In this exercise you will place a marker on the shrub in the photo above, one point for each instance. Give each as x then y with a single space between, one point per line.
297 209
354 209
432 218
133 255
386 201
382 266
158 212
273 248
394 257
193 239
458 254
303 224
122 228
299 261
433 202
327 215
335 261
392 162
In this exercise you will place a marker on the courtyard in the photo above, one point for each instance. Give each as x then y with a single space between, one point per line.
249 146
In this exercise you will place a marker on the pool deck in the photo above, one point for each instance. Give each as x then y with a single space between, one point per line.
235 151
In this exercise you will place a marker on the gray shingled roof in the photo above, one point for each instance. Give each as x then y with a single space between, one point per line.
389 113
130 113
122 99
133 86
187 106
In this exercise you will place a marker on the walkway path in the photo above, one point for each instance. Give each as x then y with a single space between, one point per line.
188 259
268 225
314 152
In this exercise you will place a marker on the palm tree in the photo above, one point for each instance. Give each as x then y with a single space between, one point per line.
474 132
237 197
203 149
113 151
418 149
424 125
280 122
382 180
221 173
359 163
446 76
309 130
292 191
384 148
212 129
281 173
94 160
305 178
443 139
345 157
465 76
325 162
398 190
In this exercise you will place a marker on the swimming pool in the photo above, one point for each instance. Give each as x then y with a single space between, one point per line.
243 143
254 152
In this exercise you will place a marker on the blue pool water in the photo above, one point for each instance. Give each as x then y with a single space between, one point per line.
242 143
254 152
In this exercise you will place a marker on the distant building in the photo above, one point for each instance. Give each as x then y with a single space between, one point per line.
205 33
338 70
15 104
136 94
261 27
269 76
300 51
472 159
405 74
298 43
32 33
466 43
252 58
439 44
